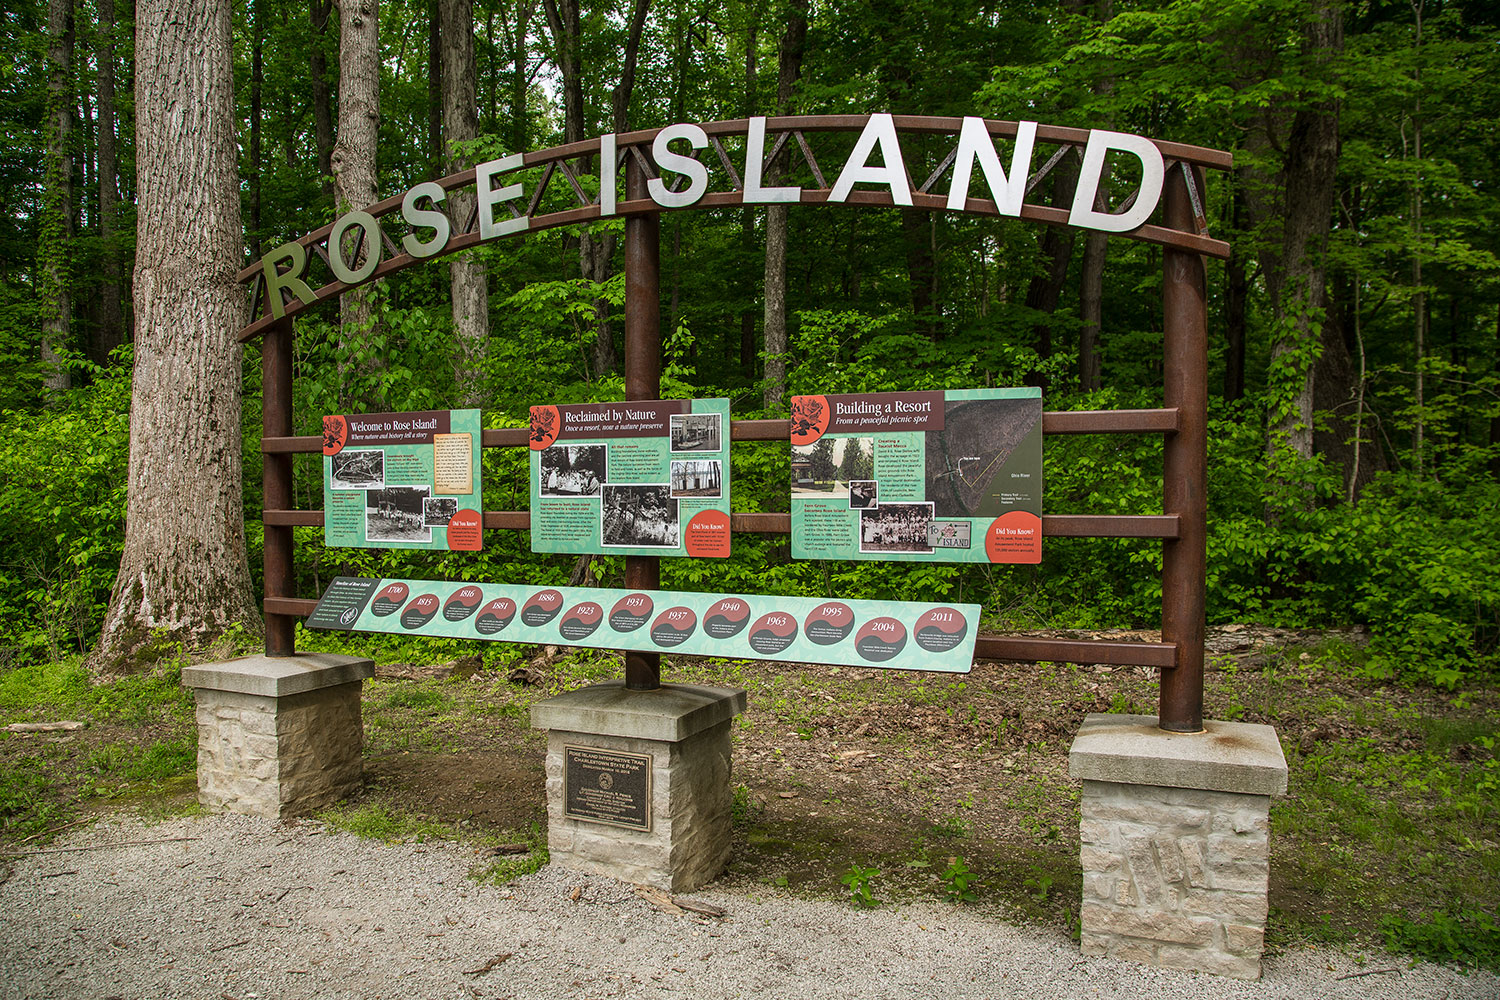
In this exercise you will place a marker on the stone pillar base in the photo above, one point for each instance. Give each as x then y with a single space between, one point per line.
1175 833
278 736
638 781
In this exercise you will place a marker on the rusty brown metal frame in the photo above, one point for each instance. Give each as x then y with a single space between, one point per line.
1182 420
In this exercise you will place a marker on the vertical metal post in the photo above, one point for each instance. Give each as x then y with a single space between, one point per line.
642 374
1185 558
276 480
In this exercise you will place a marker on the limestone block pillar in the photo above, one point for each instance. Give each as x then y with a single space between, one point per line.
638 781
278 736
1175 831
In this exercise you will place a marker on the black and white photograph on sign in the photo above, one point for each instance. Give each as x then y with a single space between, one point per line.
895 527
573 470
697 478
826 467
639 515
695 431
394 514
863 494
964 457
359 470
438 511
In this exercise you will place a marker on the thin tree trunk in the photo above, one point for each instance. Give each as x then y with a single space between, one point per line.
322 99
354 161
471 307
183 569
437 154
57 217
111 318
1419 294
257 82
1297 286
747 215
1236 295
774 326
1091 299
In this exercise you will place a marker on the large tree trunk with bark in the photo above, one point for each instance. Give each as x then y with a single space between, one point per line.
471 303
183 571
353 162
57 212
774 330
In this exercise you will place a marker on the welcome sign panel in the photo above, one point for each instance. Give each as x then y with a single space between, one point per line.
639 478
403 480
941 476
894 634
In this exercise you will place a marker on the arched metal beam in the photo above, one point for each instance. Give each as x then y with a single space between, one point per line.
787 136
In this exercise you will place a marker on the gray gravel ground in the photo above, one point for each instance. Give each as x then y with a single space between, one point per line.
253 909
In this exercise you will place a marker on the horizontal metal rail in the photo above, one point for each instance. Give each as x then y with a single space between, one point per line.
780 523
1053 422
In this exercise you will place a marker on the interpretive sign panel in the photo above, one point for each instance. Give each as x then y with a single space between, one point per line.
403 480
897 634
951 476
607 786
646 477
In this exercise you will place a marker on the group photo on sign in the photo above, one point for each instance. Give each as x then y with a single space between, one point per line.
963 500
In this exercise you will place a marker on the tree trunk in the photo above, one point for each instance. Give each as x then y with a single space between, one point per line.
1045 289
436 98
1297 287
57 215
354 161
921 269
1419 294
1236 296
774 327
257 82
747 214
471 307
111 315
1091 299
183 570
317 64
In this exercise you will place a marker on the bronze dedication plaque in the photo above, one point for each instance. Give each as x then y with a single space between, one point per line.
607 786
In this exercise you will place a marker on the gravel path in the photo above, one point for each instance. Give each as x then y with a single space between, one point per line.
251 909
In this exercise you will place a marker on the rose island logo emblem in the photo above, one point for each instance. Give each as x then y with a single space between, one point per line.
606 780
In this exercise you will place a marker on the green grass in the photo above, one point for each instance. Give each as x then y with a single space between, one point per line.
375 820
140 743
61 689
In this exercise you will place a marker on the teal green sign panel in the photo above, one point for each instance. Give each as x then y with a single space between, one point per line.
403 480
648 477
897 634
927 476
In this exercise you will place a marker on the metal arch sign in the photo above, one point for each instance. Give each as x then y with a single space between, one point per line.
511 194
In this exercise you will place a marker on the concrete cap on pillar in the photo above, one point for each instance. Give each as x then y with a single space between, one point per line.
278 676
672 712
1225 757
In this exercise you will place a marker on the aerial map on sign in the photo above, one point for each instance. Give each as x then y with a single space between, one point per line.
951 476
